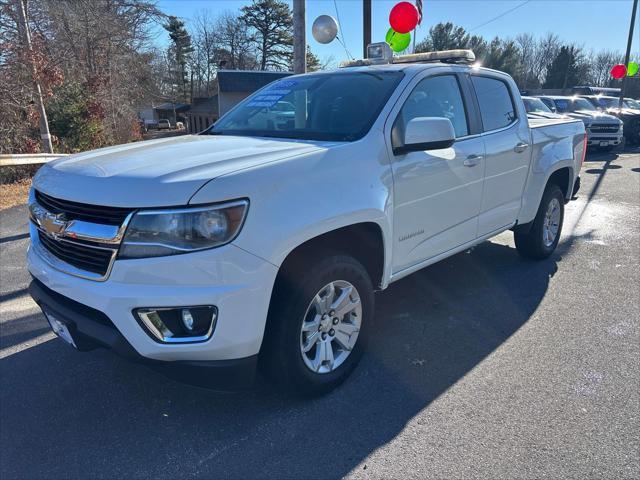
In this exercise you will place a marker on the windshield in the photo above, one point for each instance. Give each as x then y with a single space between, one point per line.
534 105
631 103
340 107
605 102
574 105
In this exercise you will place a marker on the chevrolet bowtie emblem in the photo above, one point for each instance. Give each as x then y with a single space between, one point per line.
53 224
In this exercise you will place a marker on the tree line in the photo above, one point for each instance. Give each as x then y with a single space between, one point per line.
546 62
98 63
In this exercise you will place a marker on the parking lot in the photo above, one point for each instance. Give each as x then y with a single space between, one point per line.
484 365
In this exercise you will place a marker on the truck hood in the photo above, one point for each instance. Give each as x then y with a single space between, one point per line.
164 172
586 115
628 112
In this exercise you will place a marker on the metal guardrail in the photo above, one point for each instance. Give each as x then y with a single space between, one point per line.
14 160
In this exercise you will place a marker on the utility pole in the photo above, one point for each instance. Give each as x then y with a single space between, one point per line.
300 59
366 26
45 136
628 54
299 37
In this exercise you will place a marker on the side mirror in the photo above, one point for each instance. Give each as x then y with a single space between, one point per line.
426 133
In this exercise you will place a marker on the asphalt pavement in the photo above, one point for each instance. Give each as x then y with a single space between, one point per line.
483 366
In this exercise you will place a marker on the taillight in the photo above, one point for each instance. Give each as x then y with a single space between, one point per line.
584 149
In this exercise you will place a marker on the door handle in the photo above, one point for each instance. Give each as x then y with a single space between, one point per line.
472 160
520 147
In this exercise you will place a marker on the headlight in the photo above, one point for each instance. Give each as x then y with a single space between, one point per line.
155 233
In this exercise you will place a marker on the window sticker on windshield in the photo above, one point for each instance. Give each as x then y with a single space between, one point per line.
269 98
286 83
262 103
277 91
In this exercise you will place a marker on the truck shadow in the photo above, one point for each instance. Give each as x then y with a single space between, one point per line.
108 417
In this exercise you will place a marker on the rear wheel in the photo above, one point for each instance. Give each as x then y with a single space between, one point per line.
318 325
542 238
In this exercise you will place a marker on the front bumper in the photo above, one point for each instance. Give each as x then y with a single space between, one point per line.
92 329
598 139
238 283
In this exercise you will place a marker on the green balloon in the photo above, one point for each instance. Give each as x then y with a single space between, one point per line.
632 69
398 41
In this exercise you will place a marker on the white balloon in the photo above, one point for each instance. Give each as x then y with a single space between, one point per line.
325 29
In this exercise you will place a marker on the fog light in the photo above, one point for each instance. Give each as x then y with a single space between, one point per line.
187 319
178 325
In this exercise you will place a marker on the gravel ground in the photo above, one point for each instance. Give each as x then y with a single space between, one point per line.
483 366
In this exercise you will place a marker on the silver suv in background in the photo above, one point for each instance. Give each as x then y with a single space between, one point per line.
603 131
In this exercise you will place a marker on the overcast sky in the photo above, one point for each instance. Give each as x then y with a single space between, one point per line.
594 24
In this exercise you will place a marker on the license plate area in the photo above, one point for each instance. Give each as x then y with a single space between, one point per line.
604 144
60 328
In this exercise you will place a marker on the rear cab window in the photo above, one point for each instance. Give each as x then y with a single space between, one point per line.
497 109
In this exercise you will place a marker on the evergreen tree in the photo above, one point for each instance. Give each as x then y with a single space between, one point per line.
313 62
180 51
564 70
272 26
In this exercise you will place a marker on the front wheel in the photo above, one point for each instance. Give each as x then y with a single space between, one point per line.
318 325
542 238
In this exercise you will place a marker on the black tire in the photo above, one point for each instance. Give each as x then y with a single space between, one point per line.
281 357
531 244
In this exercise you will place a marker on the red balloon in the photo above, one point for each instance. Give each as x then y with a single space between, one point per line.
618 71
404 17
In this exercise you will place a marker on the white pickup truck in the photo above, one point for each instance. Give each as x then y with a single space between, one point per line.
261 241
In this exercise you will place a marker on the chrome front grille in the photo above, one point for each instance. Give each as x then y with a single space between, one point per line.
76 238
83 211
603 128
89 258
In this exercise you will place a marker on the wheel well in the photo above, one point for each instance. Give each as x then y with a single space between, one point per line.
363 241
561 178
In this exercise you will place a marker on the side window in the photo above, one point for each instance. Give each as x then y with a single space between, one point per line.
496 106
548 103
436 97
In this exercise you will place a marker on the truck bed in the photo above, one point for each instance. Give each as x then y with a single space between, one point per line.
545 122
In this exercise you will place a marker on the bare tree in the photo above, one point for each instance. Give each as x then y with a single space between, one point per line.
601 64
527 46
235 45
207 41
545 51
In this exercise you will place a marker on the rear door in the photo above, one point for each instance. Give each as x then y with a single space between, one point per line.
507 151
437 193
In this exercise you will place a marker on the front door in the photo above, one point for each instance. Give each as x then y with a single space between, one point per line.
437 193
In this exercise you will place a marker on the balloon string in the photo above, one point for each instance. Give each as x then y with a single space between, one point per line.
345 47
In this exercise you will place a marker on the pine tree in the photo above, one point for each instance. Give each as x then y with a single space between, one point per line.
313 62
180 50
564 70
272 26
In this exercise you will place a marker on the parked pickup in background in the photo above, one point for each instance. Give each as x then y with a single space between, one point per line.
537 109
604 132
261 243
629 114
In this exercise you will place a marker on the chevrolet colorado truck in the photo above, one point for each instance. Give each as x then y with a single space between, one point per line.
260 241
